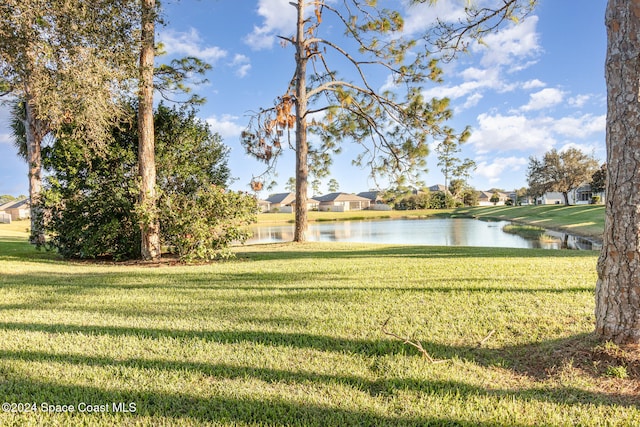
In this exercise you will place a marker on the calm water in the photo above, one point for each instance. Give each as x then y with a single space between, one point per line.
435 232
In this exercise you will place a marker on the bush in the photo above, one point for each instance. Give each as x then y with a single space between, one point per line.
440 200
416 201
90 198
203 225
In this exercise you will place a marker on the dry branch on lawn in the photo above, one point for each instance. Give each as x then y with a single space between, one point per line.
414 343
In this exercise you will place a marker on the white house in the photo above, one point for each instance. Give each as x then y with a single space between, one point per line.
342 202
15 210
484 198
578 196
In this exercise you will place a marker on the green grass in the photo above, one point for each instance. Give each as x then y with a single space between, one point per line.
291 335
583 220
530 232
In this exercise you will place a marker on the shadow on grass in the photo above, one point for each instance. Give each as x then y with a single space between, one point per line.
78 284
269 410
339 251
182 407
536 360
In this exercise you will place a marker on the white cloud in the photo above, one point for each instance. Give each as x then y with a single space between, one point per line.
226 126
420 17
533 84
191 44
479 74
279 19
242 63
243 70
493 171
501 53
511 45
473 100
517 132
500 133
5 138
389 84
455 92
544 99
579 101
580 127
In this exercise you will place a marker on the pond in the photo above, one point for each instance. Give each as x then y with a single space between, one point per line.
432 232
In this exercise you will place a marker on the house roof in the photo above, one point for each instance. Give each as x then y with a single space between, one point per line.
281 198
15 204
438 187
341 197
489 194
6 205
371 195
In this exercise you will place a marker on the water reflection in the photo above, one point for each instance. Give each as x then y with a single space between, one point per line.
435 232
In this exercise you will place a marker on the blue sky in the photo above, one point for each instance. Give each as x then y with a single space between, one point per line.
532 87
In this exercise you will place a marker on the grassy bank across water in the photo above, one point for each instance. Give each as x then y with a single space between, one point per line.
581 220
290 334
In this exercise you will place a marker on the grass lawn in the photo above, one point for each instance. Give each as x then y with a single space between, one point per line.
291 335
583 220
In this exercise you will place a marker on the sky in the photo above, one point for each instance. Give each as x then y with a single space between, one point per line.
531 87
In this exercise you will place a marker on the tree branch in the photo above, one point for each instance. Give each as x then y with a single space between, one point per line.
414 343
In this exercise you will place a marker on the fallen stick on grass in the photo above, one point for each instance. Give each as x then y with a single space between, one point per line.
414 343
485 339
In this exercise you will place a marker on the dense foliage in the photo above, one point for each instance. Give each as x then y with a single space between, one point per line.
427 200
90 199
560 171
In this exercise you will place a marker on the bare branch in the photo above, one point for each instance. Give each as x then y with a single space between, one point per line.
414 343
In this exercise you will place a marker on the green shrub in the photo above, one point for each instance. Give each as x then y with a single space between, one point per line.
203 225
440 200
90 200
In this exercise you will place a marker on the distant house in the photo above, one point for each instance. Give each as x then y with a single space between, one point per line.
376 201
438 188
484 198
342 202
551 198
264 205
312 204
280 201
581 195
15 210
284 202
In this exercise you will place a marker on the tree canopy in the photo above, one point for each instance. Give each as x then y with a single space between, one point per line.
560 171
324 109
90 197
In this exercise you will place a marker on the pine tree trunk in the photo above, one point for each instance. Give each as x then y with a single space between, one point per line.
34 133
618 287
150 229
302 147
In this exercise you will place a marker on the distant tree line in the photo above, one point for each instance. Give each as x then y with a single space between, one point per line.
564 171
459 194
